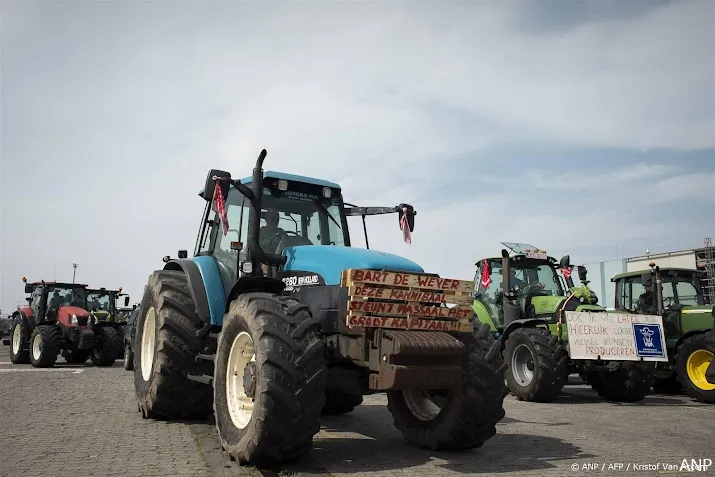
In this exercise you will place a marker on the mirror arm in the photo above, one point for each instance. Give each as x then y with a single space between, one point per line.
245 190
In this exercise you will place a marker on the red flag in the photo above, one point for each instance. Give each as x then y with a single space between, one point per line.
486 275
219 207
405 227
567 272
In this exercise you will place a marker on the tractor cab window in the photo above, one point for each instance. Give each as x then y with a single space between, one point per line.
681 290
97 301
58 297
489 273
35 298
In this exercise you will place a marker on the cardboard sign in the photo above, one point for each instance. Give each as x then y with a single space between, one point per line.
537 255
407 323
615 336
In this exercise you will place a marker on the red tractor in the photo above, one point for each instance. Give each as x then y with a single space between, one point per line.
56 320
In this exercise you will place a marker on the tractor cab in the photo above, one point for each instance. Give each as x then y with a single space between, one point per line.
524 283
55 301
102 303
673 293
281 227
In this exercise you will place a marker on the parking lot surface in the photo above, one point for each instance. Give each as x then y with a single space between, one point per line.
79 420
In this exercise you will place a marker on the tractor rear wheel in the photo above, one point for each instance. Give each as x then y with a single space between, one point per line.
19 349
631 382
462 418
75 356
339 402
692 359
128 358
108 344
269 380
44 346
166 345
536 365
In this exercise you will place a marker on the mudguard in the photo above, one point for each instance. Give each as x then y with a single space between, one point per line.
524 323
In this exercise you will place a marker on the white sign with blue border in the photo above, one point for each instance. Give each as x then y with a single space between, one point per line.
649 340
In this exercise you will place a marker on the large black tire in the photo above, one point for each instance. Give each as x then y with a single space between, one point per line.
107 344
470 413
288 380
44 346
631 382
546 362
21 353
692 359
165 392
128 358
75 356
339 402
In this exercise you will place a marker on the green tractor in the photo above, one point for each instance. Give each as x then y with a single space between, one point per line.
272 326
526 304
676 295
102 306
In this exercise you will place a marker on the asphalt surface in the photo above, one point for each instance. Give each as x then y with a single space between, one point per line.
79 420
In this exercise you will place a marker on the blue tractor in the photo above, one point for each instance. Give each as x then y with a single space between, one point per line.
271 327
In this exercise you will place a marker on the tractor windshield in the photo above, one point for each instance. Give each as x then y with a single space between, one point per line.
100 301
62 296
527 276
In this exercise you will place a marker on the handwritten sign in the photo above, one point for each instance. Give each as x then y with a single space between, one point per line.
403 294
405 309
408 280
407 323
615 336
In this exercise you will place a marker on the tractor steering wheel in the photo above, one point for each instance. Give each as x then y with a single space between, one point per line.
280 234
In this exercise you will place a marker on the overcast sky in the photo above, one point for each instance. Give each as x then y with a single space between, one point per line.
581 127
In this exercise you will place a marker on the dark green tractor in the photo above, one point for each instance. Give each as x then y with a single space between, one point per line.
526 303
676 295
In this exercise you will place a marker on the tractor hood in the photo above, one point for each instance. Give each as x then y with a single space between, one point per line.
101 315
329 261
72 310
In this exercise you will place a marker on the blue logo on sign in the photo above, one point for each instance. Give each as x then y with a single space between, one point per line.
649 342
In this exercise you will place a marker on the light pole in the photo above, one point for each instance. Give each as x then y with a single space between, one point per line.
74 271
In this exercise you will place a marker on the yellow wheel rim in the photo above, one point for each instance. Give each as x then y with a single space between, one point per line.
697 364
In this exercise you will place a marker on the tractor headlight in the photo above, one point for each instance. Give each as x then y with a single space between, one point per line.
75 322
283 185
327 192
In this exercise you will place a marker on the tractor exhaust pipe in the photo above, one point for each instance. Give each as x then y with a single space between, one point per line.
254 220
509 303
658 291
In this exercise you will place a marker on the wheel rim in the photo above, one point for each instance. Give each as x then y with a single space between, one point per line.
148 342
16 337
697 364
37 346
240 406
424 404
126 355
521 362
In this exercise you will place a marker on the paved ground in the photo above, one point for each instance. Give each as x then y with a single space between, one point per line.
83 421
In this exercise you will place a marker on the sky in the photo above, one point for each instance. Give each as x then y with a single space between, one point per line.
581 127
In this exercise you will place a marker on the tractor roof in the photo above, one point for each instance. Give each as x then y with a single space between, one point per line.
61 284
638 273
523 249
290 177
93 290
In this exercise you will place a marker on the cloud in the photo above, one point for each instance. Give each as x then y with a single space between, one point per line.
114 112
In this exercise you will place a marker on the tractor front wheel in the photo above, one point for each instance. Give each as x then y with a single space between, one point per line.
269 380
108 344
692 359
631 382
19 349
165 346
44 346
461 418
536 365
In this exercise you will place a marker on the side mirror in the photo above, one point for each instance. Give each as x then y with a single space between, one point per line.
582 272
410 215
126 301
565 261
183 254
647 280
210 184
28 288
